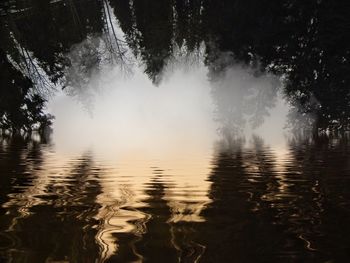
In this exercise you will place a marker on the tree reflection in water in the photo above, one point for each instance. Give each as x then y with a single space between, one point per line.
49 216
263 207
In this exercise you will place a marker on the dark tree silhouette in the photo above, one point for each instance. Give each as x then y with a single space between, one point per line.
20 108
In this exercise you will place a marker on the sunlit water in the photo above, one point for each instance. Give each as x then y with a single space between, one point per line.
245 203
152 174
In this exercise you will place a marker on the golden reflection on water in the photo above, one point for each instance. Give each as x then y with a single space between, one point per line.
124 186
122 190
179 205
148 187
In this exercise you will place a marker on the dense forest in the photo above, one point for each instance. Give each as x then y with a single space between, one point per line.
305 42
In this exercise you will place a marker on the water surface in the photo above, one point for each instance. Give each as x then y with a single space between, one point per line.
250 202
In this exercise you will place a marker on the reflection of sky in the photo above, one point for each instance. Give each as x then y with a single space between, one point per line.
136 130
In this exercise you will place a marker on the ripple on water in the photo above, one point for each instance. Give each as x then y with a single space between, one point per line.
241 203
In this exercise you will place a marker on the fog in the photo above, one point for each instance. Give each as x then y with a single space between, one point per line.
133 114
114 109
186 113
138 133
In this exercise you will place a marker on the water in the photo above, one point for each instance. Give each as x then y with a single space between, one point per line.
250 202
184 131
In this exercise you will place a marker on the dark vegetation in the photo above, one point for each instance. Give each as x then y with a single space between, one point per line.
305 41
18 108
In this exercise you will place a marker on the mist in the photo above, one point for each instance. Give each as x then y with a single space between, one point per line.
187 112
